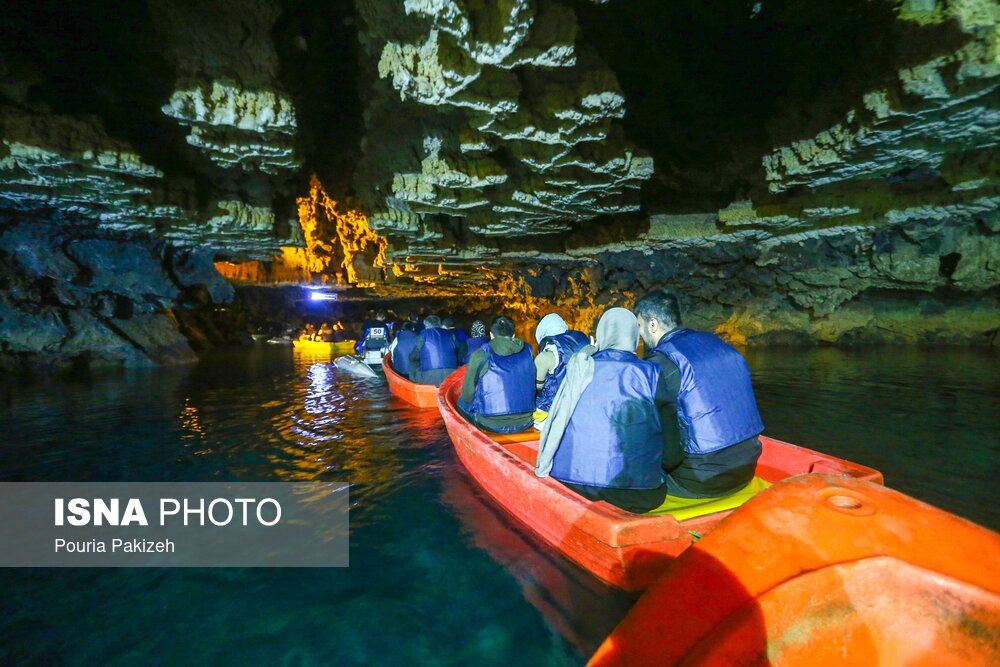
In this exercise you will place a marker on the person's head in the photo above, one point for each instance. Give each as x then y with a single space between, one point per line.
448 322
381 315
409 326
413 317
478 329
550 325
658 313
432 322
502 326
618 329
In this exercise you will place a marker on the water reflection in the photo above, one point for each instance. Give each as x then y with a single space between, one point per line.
438 574
582 609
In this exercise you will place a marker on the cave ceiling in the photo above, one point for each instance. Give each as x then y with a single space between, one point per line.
409 144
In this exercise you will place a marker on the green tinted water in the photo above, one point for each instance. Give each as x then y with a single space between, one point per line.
438 575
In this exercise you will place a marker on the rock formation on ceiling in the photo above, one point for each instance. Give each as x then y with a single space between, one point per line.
496 167
882 227
165 135
492 116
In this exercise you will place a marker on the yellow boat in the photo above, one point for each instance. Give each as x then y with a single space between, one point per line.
320 347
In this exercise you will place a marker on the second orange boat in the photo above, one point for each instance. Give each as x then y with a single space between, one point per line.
420 395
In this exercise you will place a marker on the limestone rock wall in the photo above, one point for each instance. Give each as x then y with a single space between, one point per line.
76 297
492 116
499 155
134 150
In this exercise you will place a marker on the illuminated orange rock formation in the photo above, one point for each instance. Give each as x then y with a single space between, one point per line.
340 248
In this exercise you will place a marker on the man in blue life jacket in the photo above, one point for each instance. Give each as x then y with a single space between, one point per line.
375 334
498 392
434 355
603 437
476 340
414 319
400 347
556 344
711 443
448 322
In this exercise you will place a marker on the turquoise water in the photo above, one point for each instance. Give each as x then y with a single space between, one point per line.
438 575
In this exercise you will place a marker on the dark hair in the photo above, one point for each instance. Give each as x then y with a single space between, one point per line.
409 326
381 315
432 321
502 326
448 321
413 317
662 305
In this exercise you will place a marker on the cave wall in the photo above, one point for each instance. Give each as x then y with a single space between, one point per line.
73 297
519 156
139 142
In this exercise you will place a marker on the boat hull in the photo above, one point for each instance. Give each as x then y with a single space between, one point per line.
420 395
626 550
321 347
861 575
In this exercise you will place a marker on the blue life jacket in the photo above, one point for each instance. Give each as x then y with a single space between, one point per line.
567 344
460 334
716 406
508 386
405 341
373 338
474 344
614 438
439 350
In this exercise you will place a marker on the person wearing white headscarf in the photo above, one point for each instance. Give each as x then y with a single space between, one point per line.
618 394
556 344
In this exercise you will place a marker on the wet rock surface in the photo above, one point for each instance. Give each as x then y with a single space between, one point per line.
72 298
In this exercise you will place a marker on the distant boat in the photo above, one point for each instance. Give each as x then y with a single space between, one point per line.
628 551
354 365
322 347
280 341
420 395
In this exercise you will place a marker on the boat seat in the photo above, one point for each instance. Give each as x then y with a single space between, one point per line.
690 508
507 438
523 445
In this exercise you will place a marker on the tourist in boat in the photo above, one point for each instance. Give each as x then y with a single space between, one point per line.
602 437
448 322
308 333
339 333
414 319
400 347
711 438
498 392
434 355
477 339
374 333
556 344
325 333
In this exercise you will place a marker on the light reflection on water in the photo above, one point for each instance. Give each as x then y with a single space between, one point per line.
438 575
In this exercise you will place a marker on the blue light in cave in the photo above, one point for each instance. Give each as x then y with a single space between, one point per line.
322 296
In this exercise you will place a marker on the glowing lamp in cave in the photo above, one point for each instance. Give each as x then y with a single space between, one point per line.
315 295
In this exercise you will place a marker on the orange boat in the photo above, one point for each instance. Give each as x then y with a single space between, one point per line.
823 570
626 550
420 395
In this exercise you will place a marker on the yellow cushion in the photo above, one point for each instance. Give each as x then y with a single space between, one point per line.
540 415
689 508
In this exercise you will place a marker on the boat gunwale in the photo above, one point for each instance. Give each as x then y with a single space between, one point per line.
398 382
